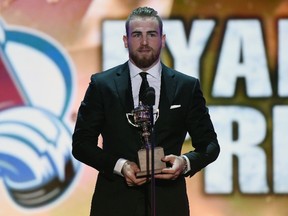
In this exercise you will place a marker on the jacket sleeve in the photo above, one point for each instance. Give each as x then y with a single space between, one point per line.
88 127
202 133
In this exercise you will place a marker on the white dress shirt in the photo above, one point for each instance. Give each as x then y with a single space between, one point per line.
153 78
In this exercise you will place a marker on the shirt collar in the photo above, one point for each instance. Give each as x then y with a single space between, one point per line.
155 71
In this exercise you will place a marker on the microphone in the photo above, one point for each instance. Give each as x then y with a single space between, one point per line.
150 96
150 101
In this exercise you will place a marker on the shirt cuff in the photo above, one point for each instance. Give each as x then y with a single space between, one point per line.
118 166
188 167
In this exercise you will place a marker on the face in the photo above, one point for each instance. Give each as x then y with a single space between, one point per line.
144 42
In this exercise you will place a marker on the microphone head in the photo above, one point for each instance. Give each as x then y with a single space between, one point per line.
150 96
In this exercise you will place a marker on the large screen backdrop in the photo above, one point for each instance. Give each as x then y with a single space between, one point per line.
50 48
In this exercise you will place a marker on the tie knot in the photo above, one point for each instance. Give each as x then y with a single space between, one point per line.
143 75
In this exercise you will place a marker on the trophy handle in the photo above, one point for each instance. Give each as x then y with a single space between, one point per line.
156 113
128 116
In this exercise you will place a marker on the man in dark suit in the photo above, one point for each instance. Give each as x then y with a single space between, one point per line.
182 108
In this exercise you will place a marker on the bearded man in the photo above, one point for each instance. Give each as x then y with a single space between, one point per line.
182 109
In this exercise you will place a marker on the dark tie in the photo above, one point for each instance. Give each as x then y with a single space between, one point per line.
143 87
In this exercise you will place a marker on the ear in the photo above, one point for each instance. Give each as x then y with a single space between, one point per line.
125 40
163 40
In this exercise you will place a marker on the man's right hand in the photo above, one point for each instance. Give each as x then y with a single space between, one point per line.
129 171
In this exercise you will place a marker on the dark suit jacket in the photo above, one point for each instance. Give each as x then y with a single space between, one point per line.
103 111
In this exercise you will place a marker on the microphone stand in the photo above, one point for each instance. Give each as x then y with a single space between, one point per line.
153 203
142 117
150 99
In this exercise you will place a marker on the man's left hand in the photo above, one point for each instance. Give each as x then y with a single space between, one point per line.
172 173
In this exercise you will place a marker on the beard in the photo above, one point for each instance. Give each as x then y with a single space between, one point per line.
145 61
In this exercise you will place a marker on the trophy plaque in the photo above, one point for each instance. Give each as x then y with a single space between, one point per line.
145 162
140 118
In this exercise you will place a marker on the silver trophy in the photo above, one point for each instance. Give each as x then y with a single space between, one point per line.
141 118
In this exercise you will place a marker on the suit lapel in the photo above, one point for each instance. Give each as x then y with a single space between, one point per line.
123 87
168 87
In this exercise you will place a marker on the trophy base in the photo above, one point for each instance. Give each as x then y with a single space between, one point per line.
143 164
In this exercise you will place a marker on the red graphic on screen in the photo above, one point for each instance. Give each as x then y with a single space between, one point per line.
9 94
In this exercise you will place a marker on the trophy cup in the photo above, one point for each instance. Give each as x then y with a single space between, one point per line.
142 118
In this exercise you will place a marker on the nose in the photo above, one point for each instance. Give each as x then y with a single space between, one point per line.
144 40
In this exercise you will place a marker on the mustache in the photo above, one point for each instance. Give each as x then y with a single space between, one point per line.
146 48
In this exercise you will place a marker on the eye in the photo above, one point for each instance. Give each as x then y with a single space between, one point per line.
136 35
152 34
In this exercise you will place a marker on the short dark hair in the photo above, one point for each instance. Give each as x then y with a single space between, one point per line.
144 12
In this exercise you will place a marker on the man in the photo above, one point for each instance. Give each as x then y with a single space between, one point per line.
113 93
